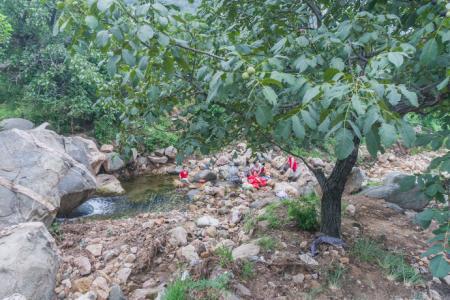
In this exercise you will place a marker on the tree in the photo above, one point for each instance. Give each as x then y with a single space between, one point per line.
275 73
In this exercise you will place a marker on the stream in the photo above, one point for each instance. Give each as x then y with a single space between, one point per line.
143 194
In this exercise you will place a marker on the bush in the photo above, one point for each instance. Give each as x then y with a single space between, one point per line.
184 289
304 212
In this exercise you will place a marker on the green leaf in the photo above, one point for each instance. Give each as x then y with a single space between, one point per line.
443 84
424 218
411 96
407 183
337 63
163 40
310 94
429 52
263 115
214 85
408 134
278 46
344 143
103 5
393 96
388 134
357 105
396 58
128 57
308 119
432 189
439 266
270 95
373 142
91 22
145 32
435 249
102 38
298 128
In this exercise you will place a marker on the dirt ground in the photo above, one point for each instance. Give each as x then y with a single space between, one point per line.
157 261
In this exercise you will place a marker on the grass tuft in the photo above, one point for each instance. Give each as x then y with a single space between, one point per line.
267 243
225 256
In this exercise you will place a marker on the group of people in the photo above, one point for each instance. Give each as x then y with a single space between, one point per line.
256 175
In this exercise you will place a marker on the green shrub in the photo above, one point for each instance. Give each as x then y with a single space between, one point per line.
267 243
304 212
335 275
183 289
394 264
248 270
270 215
366 250
225 256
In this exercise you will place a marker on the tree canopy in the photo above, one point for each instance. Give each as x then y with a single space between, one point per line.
276 72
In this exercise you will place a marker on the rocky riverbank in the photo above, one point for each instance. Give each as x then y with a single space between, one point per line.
240 239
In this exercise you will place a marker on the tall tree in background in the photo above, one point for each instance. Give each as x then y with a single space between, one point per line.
275 72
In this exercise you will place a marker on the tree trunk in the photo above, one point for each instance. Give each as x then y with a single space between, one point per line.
332 189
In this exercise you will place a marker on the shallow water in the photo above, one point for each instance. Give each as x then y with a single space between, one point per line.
143 194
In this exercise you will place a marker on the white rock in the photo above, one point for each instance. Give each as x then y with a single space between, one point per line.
188 252
95 249
107 148
245 250
83 264
307 259
351 209
207 221
123 274
447 279
178 236
88 296
299 278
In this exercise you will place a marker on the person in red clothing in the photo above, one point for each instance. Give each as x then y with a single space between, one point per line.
292 163
184 174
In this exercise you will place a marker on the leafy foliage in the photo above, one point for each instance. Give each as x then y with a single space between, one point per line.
185 289
5 31
304 212
272 73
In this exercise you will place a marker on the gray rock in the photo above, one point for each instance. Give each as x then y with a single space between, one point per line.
107 148
171 152
245 251
379 192
159 152
88 296
108 185
242 290
15 296
205 175
38 177
178 236
355 181
116 293
113 162
207 221
413 199
83 264
158 159
395 207
192 193
85 152
307 259
189 253
16 123
29 261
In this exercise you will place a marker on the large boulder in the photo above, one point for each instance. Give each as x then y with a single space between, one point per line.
86 152
38 178
390 191
17 123
29 262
